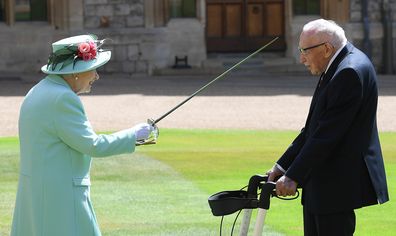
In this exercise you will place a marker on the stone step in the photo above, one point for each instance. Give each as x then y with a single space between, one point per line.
243 55
294 69
188 71
230 59
261 64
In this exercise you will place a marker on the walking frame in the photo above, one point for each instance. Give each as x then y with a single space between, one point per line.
228 202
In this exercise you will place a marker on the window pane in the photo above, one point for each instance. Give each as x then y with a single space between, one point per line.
2 13
298 7
175 8
313 7
38 10
30 10
306 7
22 10
188 8
182 8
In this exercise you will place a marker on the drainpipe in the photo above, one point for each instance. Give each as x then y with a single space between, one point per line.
388 44
366 29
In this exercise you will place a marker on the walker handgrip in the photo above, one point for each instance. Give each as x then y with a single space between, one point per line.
254 184
267 190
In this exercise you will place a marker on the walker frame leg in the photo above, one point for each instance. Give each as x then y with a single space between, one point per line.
247 214
258 228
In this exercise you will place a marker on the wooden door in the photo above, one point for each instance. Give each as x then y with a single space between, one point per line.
335 10
244 25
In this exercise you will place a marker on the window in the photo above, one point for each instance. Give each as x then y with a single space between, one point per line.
30 10
2 10
23 10
306 7
182 8
163 10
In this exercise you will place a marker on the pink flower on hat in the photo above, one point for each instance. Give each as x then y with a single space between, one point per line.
87 56
92 45
84 47
87 50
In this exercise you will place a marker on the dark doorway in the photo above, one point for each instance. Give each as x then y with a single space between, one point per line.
244 25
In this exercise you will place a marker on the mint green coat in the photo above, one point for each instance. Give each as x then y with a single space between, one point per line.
56 146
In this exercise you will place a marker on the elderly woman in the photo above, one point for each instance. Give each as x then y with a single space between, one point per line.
57 143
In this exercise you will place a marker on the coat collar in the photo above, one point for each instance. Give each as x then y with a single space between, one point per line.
58 80
347 49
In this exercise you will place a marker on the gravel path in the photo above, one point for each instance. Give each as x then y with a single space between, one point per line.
236 102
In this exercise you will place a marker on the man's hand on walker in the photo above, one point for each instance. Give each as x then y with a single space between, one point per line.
286 187
274 173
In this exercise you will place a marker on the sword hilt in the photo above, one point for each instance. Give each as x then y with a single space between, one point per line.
152 139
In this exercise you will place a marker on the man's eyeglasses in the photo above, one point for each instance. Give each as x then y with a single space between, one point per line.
304 50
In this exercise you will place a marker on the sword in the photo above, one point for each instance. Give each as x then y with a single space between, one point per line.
152 139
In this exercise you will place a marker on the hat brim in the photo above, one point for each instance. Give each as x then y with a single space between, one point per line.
80 66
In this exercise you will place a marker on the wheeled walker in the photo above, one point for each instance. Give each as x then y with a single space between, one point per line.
228 202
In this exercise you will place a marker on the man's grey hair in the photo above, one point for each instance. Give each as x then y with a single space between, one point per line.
327 31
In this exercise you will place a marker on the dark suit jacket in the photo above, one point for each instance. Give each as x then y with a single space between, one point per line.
337 156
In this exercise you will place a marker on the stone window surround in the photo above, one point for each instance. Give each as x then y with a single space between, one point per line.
58 13
156 12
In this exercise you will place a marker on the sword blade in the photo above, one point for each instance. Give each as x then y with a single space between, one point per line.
214 80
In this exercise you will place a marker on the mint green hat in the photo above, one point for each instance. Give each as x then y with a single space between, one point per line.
76 55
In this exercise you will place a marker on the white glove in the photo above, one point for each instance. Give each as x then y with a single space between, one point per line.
143 131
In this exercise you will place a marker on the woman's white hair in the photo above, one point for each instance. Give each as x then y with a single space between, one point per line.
327 31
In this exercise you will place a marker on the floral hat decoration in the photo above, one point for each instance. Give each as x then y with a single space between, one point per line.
76 55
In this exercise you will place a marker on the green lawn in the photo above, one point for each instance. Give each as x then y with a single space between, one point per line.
163 189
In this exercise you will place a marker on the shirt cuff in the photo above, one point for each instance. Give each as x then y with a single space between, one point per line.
280 168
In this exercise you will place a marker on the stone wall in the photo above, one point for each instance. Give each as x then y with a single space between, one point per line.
122 21
25 47
113 14
355 30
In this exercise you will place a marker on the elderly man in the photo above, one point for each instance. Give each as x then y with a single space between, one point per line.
337 156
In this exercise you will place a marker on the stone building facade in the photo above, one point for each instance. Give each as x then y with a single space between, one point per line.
146 35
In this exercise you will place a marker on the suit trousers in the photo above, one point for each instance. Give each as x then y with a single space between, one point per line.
339 224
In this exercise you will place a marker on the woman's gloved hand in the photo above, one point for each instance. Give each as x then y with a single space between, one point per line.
143 131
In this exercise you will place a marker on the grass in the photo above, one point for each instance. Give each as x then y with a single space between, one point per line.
163 189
